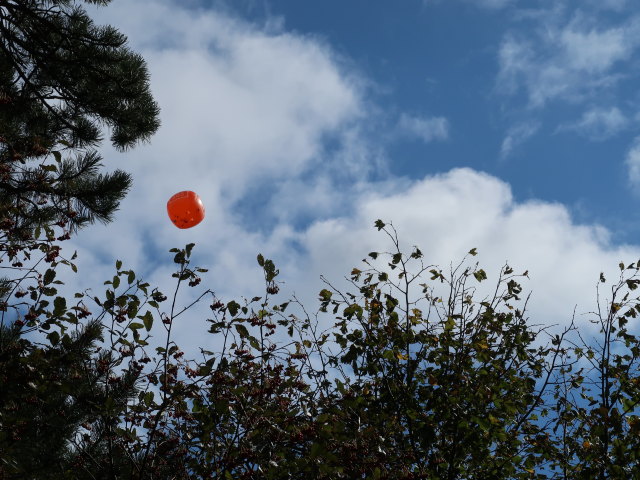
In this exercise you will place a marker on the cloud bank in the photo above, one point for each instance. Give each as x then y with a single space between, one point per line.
270 128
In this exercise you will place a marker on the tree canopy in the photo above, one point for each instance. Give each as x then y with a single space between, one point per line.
406 375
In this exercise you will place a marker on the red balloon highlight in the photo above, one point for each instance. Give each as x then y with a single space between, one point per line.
185 209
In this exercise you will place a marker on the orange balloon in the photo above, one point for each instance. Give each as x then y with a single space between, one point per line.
185 209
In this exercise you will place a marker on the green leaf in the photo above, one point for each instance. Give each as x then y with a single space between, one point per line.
628 405
148 398
147 319
242 331
233 307
373 255
449 324
325 295
473 252
205 370
179 257
260 260
118 264
54 337
353 309
49 291
379 224
136 326
132 308
48 277
57 155
59 306
270 270
480 275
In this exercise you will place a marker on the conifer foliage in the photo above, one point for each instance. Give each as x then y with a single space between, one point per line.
62 80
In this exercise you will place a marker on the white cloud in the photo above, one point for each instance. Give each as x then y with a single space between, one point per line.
593 51
599 123
246 108
489 4
565 60
517 135
258 102
492 4
427 129
633 163
615 5
243 108
447 215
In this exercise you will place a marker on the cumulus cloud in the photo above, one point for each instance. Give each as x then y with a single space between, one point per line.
242 108
427 129
248 112
516 135
446 215
245 108
259 102
599 123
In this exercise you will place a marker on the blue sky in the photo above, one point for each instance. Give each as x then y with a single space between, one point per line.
506 125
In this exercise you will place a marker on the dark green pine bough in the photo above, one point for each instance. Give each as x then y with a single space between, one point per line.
62 79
